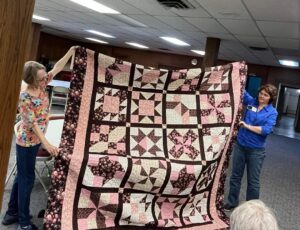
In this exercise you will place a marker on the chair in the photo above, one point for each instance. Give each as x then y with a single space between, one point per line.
59 96
42 155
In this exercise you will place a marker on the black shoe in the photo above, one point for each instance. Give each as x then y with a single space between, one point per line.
8 219
228 208
28 227
11 219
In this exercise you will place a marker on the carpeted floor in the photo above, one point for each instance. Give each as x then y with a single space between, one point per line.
280 184
280 181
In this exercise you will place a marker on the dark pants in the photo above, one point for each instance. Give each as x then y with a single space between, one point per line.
253 159
23 184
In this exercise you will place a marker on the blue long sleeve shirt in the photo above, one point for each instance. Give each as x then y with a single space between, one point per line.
266 118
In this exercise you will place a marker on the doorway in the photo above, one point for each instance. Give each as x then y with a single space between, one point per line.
287 106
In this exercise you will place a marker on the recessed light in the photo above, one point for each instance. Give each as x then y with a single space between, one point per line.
100 33
97 40
289 63
175 41
137 45
40 18
96 6
201 52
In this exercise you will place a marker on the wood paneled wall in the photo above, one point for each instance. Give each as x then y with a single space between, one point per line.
15 22
54 47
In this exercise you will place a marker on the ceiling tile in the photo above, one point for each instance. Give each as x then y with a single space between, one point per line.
252 41
279 29
221 36
150 21
105 19
43 5
208 25
289 52
274 10
283 43
265 56
121 6
232 44
177 22
231 9
197 35
240 27
67 5
151 7
198 12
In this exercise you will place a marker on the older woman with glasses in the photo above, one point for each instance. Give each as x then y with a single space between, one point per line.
34 114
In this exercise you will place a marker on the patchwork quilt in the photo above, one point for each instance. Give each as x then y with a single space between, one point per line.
144 148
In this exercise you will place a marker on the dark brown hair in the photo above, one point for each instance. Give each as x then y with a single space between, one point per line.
271 90
30 72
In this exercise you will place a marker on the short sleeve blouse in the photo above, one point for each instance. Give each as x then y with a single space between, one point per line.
32 110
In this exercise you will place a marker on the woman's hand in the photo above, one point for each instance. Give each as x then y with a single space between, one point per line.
243 124
52 150
73 48
252 128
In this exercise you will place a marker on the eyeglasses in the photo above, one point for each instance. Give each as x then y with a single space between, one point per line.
45 78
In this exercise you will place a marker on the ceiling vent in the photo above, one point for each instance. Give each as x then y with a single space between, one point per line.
178 4
258 48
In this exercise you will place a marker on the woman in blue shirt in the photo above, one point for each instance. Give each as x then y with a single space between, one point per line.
249 149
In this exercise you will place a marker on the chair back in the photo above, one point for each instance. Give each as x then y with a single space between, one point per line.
58 93
60 89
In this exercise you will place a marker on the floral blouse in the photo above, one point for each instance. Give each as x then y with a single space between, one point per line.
32 110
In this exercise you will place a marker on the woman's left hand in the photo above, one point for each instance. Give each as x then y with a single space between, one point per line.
243 124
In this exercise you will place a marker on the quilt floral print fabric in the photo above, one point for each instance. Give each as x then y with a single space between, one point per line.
144 148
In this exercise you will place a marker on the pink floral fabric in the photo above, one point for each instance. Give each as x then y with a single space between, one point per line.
32 110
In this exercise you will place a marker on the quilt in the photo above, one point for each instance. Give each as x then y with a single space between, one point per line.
144 148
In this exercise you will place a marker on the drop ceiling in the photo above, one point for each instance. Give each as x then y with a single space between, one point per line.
271 24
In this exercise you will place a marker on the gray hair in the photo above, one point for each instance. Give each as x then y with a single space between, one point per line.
253 215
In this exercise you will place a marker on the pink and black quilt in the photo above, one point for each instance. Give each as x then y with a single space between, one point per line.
144 148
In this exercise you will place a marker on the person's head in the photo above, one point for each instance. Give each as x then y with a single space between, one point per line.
267 94
34 74
253 215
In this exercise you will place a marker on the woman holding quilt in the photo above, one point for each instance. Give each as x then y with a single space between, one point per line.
249 149
34 114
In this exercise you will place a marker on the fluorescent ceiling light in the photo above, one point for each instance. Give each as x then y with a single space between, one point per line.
201 52
96 6
40 18
100 33
289 63
97 40
175 41
137 45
